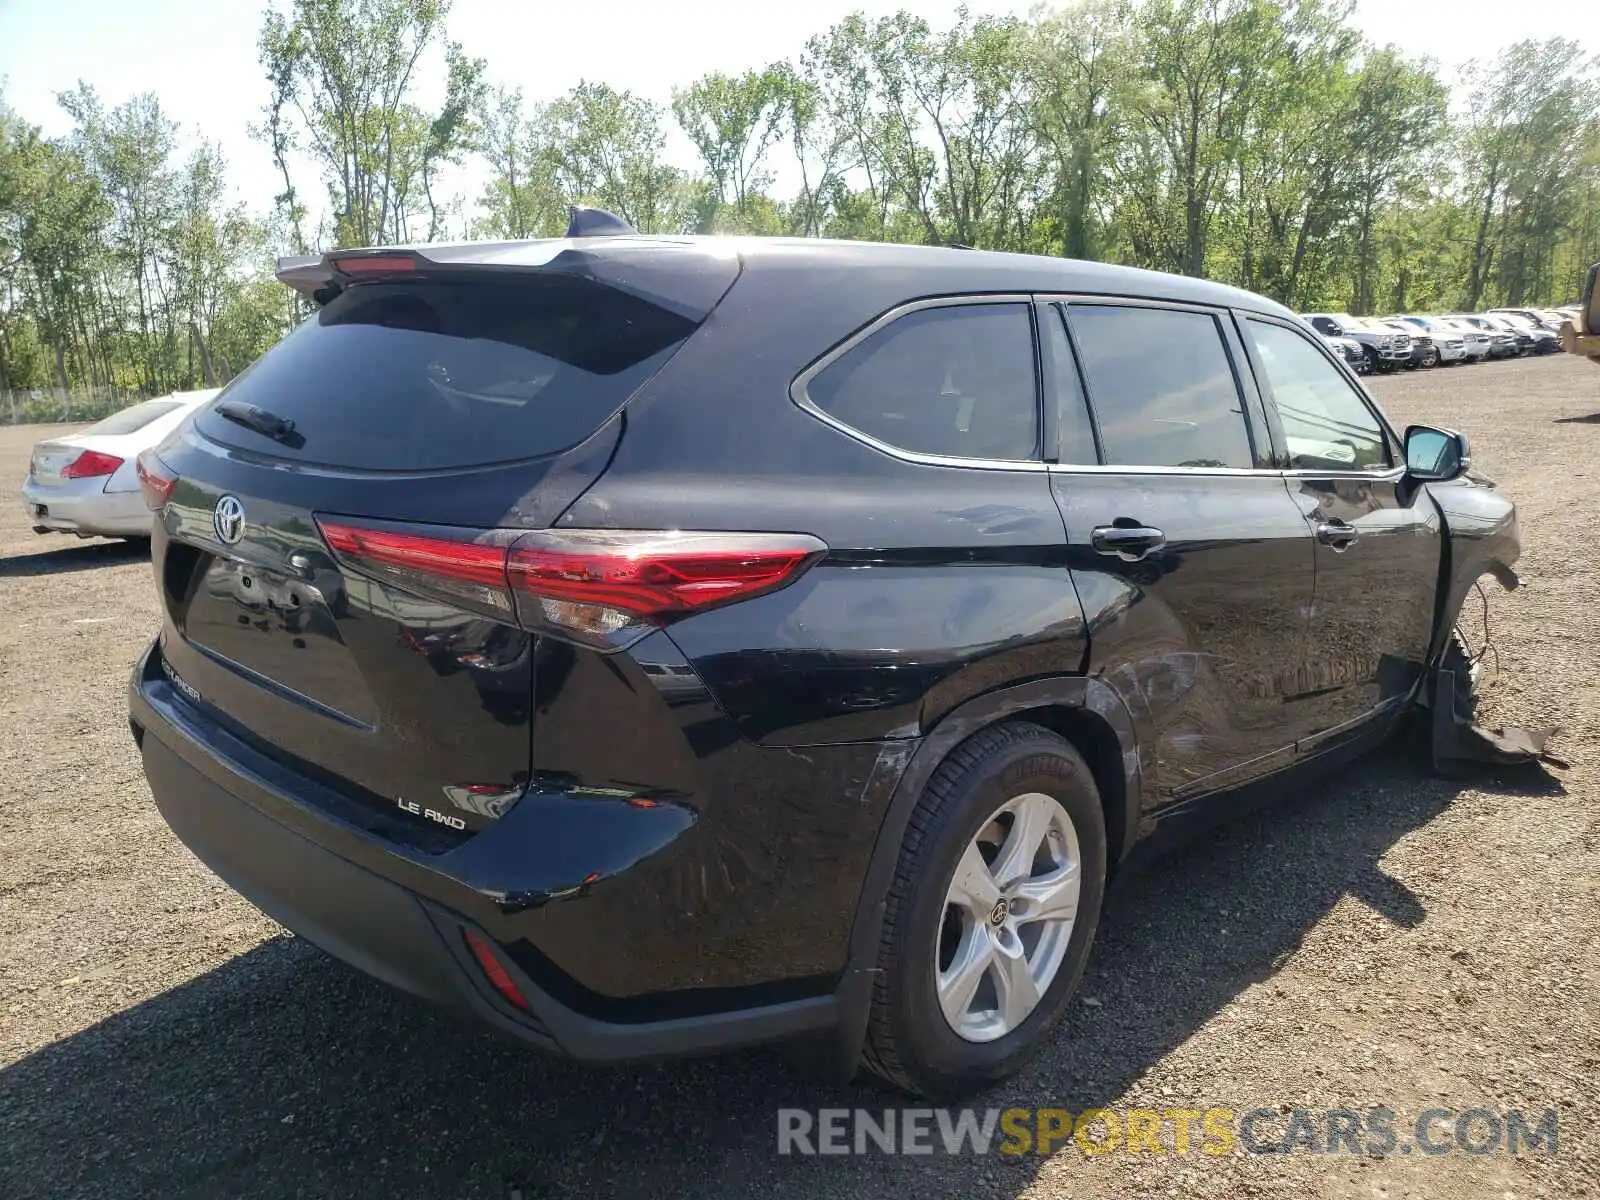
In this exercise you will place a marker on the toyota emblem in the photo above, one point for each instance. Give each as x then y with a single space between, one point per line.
227 522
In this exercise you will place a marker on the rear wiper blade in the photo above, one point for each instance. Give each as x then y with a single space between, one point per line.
259 419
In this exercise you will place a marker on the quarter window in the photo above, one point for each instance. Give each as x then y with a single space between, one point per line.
1325 422
957 381
1162 387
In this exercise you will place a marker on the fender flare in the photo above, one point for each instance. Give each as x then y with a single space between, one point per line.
854 992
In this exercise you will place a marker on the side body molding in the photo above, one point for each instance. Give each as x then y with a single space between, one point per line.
923 758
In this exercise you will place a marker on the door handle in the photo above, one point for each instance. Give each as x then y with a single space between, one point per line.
1337 535
1129 542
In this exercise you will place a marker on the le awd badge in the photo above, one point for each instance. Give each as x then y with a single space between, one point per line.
417 810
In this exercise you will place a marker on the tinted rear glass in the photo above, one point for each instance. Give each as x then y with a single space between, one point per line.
430 376
131 420
1162 387
956 381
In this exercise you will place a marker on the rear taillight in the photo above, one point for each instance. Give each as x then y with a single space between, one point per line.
600 586
464 567
91 464
602 583
156 479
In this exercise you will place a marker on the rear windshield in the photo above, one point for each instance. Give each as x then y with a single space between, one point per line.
131 420
430 376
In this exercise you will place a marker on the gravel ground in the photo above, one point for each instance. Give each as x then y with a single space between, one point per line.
1386 939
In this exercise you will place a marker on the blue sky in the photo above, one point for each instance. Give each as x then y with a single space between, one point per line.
200 57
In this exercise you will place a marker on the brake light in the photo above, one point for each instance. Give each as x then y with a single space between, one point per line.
652 574
601 583
156 479
91 464
468 562
593 584
493 969
376 265
467 567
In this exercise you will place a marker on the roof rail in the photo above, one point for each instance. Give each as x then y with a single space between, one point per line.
594 222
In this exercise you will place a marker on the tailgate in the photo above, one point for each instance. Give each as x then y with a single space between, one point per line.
391 698
453 412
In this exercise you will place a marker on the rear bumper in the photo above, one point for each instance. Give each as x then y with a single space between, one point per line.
85 507
393 917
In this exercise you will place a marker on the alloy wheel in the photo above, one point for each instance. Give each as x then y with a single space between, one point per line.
1009 913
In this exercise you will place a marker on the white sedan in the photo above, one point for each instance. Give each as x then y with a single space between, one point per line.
85 483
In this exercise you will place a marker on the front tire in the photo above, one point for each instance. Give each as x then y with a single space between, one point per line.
991 914
1463 667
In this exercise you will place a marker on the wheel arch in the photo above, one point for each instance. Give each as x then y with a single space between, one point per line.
1086 711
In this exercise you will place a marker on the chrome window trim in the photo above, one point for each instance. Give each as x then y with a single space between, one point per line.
1389 474
1216 310
802 398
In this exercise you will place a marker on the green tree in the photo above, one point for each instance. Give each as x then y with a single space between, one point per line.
1078 64
1529 116
609 150
734 121
342 75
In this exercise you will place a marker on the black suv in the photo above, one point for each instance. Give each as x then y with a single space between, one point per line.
654 644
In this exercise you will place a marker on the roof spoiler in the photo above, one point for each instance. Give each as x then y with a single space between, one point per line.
317 276
305 273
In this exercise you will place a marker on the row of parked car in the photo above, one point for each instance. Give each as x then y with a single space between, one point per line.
1415 340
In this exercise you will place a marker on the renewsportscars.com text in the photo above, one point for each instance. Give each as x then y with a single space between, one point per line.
1374 1132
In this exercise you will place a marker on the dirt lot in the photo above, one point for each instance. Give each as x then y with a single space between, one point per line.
1389 939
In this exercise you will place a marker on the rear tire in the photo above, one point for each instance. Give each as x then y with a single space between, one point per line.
1004 784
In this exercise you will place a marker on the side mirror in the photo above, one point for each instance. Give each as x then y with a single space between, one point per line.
1436 455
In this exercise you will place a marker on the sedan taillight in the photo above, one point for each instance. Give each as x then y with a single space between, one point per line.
91 464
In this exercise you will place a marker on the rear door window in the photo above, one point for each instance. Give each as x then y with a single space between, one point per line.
957 381
1162 387
432 376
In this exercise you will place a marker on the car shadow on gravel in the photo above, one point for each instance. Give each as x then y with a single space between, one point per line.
85 556
1588 419
284 1073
